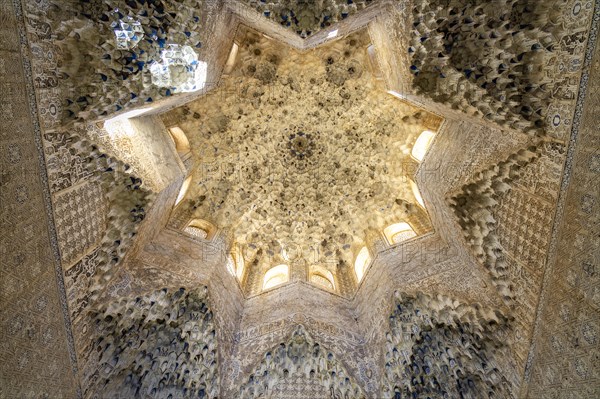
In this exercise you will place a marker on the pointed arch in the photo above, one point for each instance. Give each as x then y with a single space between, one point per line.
422 144
322 277
399 232
201 228
361 263
182 144
276 276
236 262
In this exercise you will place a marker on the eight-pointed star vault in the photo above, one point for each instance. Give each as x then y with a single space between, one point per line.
302 157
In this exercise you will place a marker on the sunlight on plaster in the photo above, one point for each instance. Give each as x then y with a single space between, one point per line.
396 94
399 232
238 260
372 53
417 193
283 223
180 139
231 59
130 114
118 128
361 263
276 276
183 191
121 126
284 254
231 265
422 145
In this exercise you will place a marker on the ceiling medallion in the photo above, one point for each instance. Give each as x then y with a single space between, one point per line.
303 148
300 145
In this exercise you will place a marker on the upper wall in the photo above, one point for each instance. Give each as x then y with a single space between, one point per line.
145 145
37 348
566 351
390 33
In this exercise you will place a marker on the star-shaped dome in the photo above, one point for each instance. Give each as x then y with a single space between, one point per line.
299 199
302 156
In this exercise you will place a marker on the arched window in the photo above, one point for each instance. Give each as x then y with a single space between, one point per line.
275 276
319 279
399 232
422 145
183 190
201 229
361 263
417 193
180 139
322 277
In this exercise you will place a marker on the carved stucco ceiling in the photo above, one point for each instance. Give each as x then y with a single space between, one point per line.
306 17
288 120
301 150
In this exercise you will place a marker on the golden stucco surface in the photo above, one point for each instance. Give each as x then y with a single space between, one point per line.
301 152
